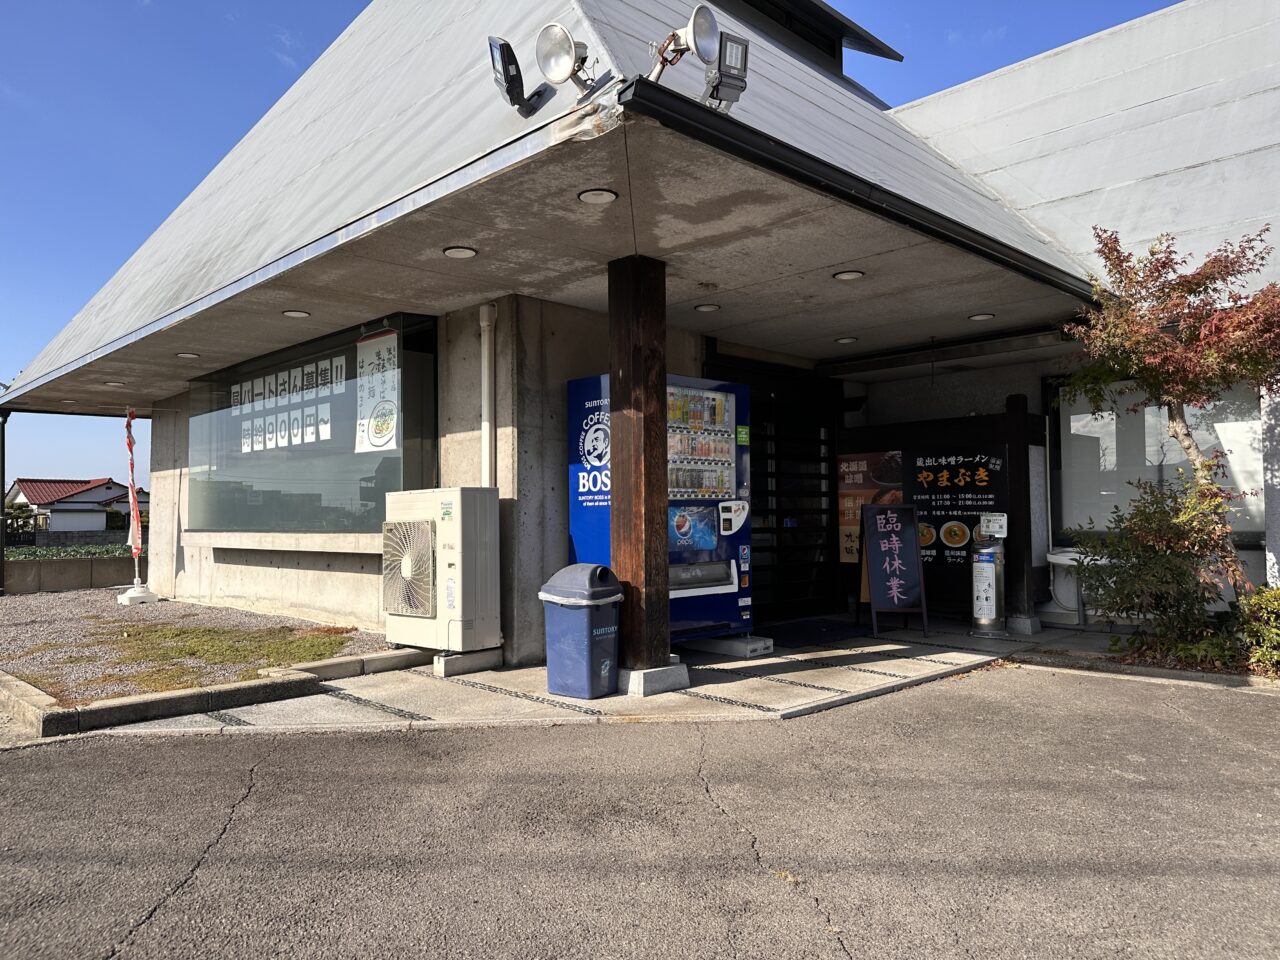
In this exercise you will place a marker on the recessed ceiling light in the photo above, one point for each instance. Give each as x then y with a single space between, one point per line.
707 307
296 314
70 401
848 275
459 253
983 316
597 197
113 383
846 340
187 356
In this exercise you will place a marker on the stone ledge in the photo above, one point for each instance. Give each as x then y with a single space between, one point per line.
358 543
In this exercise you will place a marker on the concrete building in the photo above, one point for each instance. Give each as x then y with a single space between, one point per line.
860 269
73 506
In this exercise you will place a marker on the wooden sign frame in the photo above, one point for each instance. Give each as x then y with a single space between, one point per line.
908 513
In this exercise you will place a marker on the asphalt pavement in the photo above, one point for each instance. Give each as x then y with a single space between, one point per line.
1012 812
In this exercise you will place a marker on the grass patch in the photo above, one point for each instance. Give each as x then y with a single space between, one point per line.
50 685
159 679
165 643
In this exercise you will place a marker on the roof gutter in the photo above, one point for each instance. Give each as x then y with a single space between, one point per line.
715 129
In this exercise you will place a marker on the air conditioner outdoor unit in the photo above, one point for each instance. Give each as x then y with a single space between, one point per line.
440 569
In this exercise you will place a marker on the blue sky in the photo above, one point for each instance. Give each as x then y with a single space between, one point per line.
114 110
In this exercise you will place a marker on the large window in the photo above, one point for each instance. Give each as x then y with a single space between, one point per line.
311 439
1102 454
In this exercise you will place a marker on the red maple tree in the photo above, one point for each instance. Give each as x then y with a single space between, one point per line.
1178 335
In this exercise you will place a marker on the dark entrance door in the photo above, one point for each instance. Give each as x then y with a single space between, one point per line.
795 422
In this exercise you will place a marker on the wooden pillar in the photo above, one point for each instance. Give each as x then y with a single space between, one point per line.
638 457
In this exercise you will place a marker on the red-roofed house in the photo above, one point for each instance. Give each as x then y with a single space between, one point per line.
73 505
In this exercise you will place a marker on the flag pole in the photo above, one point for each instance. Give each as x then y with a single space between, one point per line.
137 593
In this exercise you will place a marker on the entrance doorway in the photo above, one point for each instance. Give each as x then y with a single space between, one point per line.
796 417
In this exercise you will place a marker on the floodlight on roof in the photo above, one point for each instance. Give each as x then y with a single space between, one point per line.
727 76
561 58
701 36
510 78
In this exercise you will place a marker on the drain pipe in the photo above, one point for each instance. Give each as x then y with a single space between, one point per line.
488 446
4 507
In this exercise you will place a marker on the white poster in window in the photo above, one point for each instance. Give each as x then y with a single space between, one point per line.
259 394
295 427
246 436
282 388
309 425
271 433
295 385
323 422
324 378
259 435
377 392
271 391
246 397
309 381
339 368
282 430
235 399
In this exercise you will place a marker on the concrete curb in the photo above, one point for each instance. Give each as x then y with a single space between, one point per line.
38 714
1099 663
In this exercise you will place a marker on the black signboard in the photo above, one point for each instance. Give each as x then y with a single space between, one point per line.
951 487
891 567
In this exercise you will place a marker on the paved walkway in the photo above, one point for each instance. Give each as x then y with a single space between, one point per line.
817 665
1011 813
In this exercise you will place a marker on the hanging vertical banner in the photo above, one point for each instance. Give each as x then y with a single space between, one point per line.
377 392
135 515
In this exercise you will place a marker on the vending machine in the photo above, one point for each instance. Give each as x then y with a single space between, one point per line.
708 491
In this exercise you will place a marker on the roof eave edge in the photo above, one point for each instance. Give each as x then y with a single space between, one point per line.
678 112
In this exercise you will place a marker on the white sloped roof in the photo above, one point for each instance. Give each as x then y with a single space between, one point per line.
404 100
1168 123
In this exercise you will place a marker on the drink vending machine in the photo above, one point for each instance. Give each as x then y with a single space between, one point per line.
709 498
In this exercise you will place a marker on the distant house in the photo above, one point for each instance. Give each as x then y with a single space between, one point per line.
73 505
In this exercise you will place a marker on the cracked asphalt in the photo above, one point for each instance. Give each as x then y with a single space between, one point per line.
1014 812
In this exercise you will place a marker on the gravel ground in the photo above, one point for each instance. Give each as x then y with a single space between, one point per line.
56 635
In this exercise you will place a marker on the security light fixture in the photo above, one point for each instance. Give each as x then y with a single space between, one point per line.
847 275
983 316
295 314
707 307
701 36
459 253
727 76
187 356
845 341
561 58
510 79
597 197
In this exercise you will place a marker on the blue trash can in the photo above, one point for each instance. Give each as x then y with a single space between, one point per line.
581 605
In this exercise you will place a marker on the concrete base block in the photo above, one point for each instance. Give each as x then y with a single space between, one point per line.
742 648
135 595
1023 626
396 660
454 664
648 683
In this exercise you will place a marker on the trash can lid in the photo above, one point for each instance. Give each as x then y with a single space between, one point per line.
582 585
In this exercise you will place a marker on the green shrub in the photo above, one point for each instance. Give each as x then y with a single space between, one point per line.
1163 561
69 553
1260 625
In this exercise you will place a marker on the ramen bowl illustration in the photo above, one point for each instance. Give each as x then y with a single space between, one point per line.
955 534
928 534
382 424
